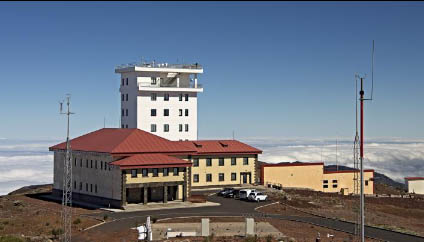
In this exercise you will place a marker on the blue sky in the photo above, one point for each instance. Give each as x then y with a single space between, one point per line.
271 69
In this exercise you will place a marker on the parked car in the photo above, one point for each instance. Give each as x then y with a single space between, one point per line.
233 194
225 191
257 196
244 194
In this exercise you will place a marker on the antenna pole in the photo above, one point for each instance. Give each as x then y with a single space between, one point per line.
361 155
67 180
337 163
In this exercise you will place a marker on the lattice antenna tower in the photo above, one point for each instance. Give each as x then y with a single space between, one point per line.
67 180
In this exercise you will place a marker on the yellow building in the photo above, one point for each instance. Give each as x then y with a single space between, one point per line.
114 167
314 176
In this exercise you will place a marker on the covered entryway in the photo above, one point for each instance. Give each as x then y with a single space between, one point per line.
154 192
245 178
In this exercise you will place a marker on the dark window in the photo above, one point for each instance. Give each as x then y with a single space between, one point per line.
91 187
91 163
122 112
86 187
109 167
75 185
196 162
144 172
126 126
122 83
325 181
80 186
101 165
155 172
209 177
95 188
366 183
152 112
181 112
186 97
153 96
196 178
181 97
208 161
165 171
186 127
233 161
334 185
134 173
166 112
221 161
325 186
221 176
75 162
81 163
122 126
95 164
153 128
233 176
186 112
180 128
153 79
126 97
166 97
166 128
127 81
126 113
176 171
122 97
334 181
245 161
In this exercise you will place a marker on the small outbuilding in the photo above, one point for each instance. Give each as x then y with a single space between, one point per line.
415 184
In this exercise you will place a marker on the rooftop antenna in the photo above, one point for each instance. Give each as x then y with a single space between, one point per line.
233 134
67 180
337 164
104 122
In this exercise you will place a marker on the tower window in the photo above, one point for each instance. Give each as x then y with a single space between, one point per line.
153 128
126 97
166 97
122 97
153 79
126 112
122 83
181 112
153 96
166 128
186 97
181 97
186 112
152 112
186 128
166 112
180 128
122 112
127 81
122 126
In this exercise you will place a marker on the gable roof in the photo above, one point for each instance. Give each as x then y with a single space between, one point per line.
150 161
220 147
123 141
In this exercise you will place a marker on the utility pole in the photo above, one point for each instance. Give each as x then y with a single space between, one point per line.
67 181
361 157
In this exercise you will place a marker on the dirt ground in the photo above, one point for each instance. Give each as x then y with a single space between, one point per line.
400 214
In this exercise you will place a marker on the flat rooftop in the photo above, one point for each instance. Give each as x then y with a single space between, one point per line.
159 67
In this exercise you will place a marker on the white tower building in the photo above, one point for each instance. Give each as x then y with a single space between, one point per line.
160 98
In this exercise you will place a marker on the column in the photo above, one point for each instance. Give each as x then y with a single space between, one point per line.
184 192
145 195
165 194
195 80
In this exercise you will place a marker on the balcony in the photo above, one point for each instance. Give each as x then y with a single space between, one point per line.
169 87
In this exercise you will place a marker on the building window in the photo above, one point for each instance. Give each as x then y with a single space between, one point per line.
126 126
80 186
153 97
334 181
366 183
334 185
153 128
175 171
186 112
181 97
75 185
196 162
134 173
221 161
233 176
153 79
122 97
144 172
180 128
166 112
91 163
166 97
186 97
123 126
101 165
126 111
86 187
86 163
122 112
165 172
95 164
166 128
325 186
233 161
91 187
155 172
208 161
181 112
245 161
325 181
126 97
221 176
152 112
208 177
186 128
127 81
95 188
81 163
196 178
75 162
122 83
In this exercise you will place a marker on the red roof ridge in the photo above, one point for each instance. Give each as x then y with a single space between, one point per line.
414 178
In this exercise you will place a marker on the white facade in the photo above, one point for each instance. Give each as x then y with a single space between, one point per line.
415 185
160 99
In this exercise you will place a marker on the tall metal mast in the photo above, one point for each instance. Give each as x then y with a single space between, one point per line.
361 157
67 181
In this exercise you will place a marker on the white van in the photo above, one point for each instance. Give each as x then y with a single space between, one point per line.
244 194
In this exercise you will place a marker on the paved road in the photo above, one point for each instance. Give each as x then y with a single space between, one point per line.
232 207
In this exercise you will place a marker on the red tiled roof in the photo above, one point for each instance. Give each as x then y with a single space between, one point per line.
123 141
220 147
414 178
150 160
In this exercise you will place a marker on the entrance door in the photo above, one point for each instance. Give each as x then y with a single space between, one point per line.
244 178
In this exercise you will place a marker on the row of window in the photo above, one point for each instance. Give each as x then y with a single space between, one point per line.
123 81
221 177
124 112
154 96
335 185
124 97
155 172
153 112
90 164
153 128
221 161
86 187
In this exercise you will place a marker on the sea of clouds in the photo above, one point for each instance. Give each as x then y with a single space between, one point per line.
28 162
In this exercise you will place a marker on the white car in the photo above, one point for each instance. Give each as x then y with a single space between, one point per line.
257 196
244 194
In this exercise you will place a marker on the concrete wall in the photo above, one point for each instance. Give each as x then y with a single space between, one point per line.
415 186
227 169
107 180
345 181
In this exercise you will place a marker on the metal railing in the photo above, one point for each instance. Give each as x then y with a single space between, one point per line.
195 66
141 84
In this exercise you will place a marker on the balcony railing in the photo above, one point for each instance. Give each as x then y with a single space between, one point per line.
161 65
141 84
